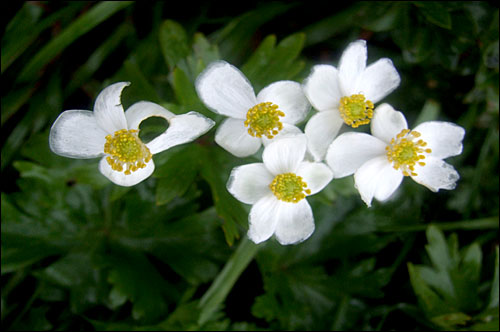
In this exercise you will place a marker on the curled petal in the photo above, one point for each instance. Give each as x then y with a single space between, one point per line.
108 109
443 138
76 134
320 130
377 178
436 174
142 110
316 175
225 90
290 99
351 66
322 87
122 179
249 183
351 150
285 154
262 219
295 222
232 135
387 123
378 80
182 129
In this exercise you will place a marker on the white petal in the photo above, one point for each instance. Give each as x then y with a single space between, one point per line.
249 183
436 174
121 178
142 110
295 222
443 138
108 109
321 129
183 128
351 150
287 131
322 87
76 134
316 175
289 97
351 66
378 80
225 90
285 155
262 219
377 178
233 136
387 123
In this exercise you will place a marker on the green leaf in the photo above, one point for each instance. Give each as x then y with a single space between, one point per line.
493 303
177 174
435 13
429 112
99 13
174 44
134 277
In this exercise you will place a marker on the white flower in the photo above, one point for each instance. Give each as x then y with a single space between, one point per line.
345 95
252 120
277 189
380 162
112 134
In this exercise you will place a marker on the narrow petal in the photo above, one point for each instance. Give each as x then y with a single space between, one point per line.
285 155
142 110
289 97
225 90
295 222
287 131
233 136
377 178
387 123
108 109
378 80
443 138
316 175
321 130
351 150
249 183
262 219
183 128
322 87
121 178
351 66
76 134
436 174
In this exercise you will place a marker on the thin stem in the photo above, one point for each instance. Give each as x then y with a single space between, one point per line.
226 279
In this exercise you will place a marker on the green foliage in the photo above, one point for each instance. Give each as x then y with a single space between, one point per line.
448 292
80 253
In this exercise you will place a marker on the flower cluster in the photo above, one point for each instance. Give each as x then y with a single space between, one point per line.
295 164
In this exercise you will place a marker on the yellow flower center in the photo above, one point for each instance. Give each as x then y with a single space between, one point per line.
405 151
289 187
356 110
264 120
126 151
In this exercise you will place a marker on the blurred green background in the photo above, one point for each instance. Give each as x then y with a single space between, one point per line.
79 253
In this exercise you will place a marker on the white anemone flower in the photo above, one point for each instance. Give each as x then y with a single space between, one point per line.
277 189
252 120
380 162
345 95
112 134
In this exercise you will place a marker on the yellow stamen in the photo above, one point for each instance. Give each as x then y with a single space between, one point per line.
405 151
355 110
289 187
264 120
126 152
